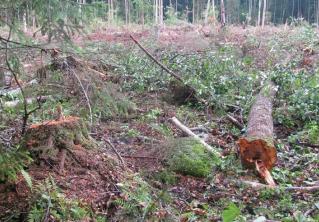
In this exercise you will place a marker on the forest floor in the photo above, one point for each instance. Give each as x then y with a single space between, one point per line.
158 176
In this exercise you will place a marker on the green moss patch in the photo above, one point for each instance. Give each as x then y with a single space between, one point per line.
188 157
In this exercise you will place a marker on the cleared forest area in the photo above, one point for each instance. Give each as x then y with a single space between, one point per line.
159 110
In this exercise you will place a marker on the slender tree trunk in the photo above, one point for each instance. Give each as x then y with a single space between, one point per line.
109 11
299 13
273 18
213 8
194 11
293 9
142 17
80 10
308 13
126 12
161 10
33 20
207 11
317 16
250 6
129 12
197 11
112 10
259 13
222 12
264 13
24 18
176 4
155 12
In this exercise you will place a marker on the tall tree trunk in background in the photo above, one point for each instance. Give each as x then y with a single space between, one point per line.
197 11
156 11
250 6
213 8
129 12
293 9
299 13
80 11
142 16
308 13
283 13
194 11
222 12
112 10
109 11
264 13
33 20
161 11
317 14
273 18
259 13
207 11
24 19
176 4
126 12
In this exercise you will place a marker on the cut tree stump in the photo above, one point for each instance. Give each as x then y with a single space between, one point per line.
257 147
52 140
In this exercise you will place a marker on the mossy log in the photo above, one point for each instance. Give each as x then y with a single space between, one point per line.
55 138
257 146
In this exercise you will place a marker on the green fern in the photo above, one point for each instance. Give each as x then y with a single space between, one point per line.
27 178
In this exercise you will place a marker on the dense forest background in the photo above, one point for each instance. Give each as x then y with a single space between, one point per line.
30 13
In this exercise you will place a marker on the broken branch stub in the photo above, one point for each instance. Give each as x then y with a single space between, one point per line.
257 146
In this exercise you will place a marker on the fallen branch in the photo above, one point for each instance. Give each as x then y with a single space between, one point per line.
156 61
170 72
306 144
258 186
186 130
139 157
235 122
115 151
14 103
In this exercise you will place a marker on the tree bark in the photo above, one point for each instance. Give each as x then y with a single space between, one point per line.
257 147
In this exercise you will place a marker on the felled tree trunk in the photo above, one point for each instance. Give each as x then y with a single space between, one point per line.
257 147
